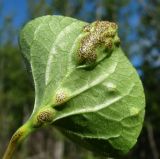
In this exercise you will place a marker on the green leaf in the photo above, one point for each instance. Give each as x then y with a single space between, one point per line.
84 84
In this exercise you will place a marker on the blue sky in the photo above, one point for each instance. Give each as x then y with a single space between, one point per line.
18 9
15 8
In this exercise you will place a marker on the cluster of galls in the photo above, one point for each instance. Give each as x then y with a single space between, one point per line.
97 34
46 114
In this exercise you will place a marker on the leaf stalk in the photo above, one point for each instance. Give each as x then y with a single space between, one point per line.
17 138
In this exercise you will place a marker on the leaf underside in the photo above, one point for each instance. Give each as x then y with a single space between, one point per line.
104 110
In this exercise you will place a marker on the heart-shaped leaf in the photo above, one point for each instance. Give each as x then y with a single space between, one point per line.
84 84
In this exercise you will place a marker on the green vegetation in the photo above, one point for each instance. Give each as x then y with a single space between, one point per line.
100 107
16 88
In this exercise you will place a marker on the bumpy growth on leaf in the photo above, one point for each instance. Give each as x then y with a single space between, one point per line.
100 34
81 73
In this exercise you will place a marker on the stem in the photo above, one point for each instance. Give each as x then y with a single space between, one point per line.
152 141
43 117
17 138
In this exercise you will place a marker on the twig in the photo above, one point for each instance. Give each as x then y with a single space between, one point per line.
152 141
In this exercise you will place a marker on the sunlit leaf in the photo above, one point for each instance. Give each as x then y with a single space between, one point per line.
92 91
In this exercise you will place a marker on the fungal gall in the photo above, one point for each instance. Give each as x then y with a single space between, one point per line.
44 116
97 34
60 97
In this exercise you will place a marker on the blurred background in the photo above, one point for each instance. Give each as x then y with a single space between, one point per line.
139 30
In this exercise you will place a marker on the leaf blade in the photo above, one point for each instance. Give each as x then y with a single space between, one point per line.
103 105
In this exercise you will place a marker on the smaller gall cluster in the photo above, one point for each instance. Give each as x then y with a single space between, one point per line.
44 116
60 97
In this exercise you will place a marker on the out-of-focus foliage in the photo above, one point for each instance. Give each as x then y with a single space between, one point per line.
139 29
